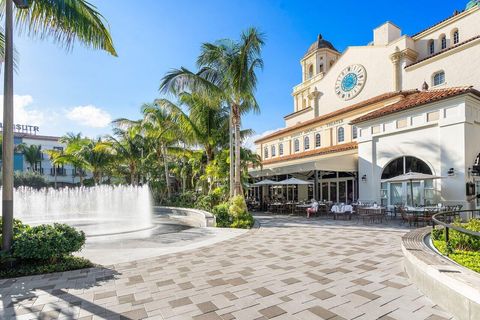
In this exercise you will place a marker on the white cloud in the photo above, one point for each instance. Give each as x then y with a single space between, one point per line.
24 112
249 142
90 116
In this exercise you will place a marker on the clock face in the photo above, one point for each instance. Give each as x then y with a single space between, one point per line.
350 82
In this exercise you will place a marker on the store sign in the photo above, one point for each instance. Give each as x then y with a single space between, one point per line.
23 128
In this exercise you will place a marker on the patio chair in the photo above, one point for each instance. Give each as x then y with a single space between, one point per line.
409 217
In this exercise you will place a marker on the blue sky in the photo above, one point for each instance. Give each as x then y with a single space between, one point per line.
82 90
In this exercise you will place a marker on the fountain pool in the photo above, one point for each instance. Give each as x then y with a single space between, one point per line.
100 210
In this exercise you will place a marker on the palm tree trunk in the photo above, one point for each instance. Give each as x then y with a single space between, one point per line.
167 180
238 170
55 179
232 160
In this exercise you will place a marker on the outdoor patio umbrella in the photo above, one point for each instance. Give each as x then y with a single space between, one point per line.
410 177
266 182
293 181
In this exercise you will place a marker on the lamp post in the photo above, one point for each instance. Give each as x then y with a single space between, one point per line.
7 159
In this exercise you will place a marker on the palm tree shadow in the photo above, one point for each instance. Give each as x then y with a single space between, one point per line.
19 296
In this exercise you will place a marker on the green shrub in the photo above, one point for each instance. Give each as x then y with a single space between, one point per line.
237 206
32 267
29 179
18 227
221 215
243 221
207 202
48 242
458 240
468 259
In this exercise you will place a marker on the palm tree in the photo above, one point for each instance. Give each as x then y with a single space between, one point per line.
161 128
205 124
66 21
227 69
96 157
32 154
57 158
127 145
74 143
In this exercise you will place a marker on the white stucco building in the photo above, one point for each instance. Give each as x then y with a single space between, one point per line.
399 103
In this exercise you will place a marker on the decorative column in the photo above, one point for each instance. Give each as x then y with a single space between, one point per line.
395 58
315 96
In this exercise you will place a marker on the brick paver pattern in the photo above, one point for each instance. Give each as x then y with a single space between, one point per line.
288 268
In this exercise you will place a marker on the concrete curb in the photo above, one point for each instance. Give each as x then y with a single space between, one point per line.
191 217
453 287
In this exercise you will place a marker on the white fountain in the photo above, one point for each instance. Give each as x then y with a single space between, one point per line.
100 210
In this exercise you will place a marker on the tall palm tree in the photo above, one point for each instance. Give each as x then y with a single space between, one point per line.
66 21
161 128
74 143
227 68
32 154
127 145
204 124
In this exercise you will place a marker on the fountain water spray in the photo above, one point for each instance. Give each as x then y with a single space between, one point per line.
96 210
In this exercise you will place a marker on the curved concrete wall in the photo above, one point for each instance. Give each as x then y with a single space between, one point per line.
191 217
453 287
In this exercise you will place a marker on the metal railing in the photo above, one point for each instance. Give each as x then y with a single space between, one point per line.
445 219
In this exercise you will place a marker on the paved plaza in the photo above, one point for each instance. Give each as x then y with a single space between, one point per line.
287 268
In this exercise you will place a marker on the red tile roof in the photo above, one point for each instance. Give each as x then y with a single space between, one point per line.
445 50
415 100
354 107
314 152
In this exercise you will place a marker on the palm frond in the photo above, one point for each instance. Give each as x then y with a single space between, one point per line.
66 21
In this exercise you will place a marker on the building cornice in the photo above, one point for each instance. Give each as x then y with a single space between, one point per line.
444 23
314 152
390 97
446 52
297 113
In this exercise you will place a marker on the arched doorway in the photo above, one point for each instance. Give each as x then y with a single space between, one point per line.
397 193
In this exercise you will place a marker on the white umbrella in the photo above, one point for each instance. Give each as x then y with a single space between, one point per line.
265 182
294 181
410 177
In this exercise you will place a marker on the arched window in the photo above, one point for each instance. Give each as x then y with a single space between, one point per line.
431 47
394 193
443 42
321 67
265 152
340 135
296 145
318 140
438 78
306 143
456 36
404 165
354 132
310 71
280 149
273 151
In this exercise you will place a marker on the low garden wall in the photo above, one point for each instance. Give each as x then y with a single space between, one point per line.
191 217
451 286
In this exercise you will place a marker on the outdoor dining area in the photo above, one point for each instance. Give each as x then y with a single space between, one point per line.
285 201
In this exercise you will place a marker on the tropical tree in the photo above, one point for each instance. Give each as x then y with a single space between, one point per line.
96 157
227 69
57 158
66 21
128 146
74 144
205 123
32 154
162 131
